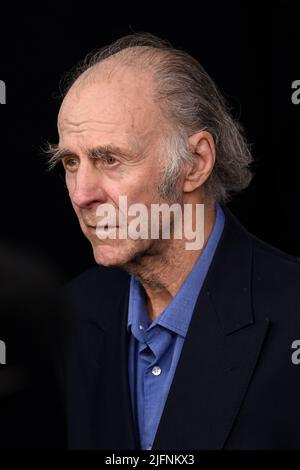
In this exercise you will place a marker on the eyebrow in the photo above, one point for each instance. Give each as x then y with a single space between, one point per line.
55 153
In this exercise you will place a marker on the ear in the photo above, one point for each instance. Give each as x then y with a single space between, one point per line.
203 148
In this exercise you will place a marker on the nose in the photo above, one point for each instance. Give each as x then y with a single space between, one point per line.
86 186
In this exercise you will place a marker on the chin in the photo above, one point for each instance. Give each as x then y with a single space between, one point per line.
109 255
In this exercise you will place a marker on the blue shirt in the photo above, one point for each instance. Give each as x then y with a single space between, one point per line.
155 346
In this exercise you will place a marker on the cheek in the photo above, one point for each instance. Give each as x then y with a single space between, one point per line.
77 212
70 184
143 190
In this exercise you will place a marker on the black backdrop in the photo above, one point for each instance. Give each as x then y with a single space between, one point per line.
252 54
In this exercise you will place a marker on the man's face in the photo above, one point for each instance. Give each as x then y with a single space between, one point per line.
116 113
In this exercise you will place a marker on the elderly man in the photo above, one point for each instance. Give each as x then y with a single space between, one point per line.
170 347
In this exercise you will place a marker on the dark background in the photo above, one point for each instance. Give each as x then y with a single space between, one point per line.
253 55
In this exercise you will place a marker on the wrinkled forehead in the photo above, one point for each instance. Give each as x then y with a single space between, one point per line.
124 97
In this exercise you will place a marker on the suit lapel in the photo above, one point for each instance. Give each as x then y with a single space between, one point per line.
116 429
220 352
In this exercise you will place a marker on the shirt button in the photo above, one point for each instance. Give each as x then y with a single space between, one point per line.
141 327
156 370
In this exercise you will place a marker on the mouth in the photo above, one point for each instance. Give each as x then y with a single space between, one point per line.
102 227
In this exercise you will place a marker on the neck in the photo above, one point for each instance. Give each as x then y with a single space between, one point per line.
163 271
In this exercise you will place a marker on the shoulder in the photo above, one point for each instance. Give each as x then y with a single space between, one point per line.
268 262
274 266
95 292
276 287
273 274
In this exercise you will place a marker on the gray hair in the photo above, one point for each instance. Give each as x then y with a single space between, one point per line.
191 102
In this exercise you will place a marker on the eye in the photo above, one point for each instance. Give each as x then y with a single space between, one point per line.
107 161
110 160
70 164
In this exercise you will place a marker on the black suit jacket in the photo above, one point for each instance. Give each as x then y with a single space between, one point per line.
235 386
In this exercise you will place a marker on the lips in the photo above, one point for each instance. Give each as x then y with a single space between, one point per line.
105 226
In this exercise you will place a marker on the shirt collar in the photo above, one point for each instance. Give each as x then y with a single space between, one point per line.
177 315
